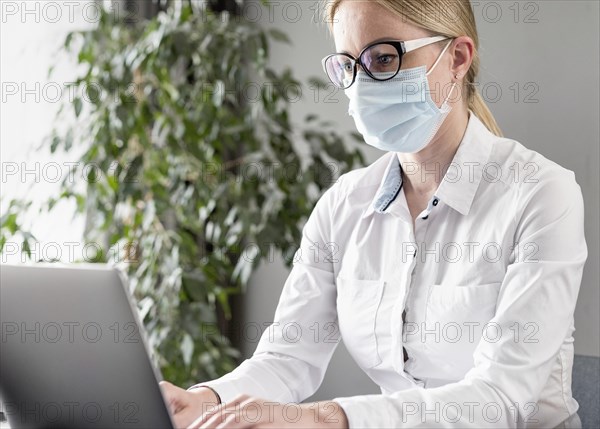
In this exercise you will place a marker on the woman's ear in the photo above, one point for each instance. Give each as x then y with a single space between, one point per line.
462 56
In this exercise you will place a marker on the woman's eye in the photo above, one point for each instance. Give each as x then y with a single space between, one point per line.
347 67
385 60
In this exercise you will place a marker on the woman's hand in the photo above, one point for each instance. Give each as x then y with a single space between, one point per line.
248 412
187 405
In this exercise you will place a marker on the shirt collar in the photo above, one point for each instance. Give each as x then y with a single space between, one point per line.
461 181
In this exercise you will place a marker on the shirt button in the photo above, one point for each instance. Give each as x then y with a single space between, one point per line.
435 202
424 218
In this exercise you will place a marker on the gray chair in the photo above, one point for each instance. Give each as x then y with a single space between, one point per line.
586 390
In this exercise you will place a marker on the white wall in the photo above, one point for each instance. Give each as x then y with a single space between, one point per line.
557 57
31 38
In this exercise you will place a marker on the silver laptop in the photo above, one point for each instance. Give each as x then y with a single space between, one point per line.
73 352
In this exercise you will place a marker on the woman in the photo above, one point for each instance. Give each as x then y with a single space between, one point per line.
450 266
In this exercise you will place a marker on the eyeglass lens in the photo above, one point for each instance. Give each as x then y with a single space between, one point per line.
379 58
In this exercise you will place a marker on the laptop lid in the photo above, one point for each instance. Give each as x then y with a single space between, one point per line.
72 351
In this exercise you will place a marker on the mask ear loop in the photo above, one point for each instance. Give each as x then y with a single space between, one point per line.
439 58
450 93
435 65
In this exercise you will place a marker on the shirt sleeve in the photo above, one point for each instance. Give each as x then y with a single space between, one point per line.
539 289
293 353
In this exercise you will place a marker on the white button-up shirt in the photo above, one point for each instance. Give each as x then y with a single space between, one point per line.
463 319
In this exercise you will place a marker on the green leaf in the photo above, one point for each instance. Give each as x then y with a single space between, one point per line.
26 248
279 35
55 143
9 221
112 182
3 240
77 104
69 39
317 83
358 137
68 142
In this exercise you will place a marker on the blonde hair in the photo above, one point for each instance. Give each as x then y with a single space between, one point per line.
450 18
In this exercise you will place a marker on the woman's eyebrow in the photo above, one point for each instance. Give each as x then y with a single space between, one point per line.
345 52
384 39
381 39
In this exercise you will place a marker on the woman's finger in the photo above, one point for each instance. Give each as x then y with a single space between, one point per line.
249 413
209 418
171 395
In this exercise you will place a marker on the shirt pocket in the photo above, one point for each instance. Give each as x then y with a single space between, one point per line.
358 303
456 319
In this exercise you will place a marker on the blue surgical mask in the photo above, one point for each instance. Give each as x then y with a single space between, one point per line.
397 115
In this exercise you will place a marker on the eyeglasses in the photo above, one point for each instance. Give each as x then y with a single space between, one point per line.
381 57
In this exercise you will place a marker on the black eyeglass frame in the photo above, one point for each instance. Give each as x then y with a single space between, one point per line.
402 47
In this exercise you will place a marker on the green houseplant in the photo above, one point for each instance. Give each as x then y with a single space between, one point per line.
194 181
